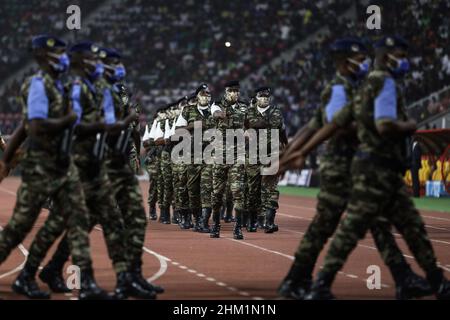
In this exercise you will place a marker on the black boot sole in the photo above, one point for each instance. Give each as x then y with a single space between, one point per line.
19 290
44 278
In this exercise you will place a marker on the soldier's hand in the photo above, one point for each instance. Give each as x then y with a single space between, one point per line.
295 161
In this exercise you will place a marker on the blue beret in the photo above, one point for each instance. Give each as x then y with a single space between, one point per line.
266 90
202 87
348 45
85 46
232 84
47 41
109 53
391 42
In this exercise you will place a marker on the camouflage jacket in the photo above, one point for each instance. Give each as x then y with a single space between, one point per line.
46 145
84 93
273 119
379 100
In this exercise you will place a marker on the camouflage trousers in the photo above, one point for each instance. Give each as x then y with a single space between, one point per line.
379 192
102 209
152 166
67 193
165 184
128 195
231 176
199 186
262 193
180 179
335 188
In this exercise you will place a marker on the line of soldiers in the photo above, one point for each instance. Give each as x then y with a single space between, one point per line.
198 190
363 116
76 140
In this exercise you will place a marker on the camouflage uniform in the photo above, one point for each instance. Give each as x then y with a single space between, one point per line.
152 161
377 179
46 172
335 187
96 185
134 148
199 176
263 193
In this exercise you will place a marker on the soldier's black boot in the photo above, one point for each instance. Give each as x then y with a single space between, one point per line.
26 285
206 214
260 221
52 276
121 289
89 289
228 214
197 213
408 285
297 283
252 222
215 230
237 231
439 285
245 218
187 224
176 216
222 213
136 272
152 214
270 226
321 288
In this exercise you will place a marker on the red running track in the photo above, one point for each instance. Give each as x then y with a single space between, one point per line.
192 266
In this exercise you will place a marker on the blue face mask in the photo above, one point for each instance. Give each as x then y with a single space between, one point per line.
119 73
98 72
63 63
362 68
402 67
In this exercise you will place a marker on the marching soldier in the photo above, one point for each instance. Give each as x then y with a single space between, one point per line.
352 64
263 193
199 173
229 113
378 188
48 170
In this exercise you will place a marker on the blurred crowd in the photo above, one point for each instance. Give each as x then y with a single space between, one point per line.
172 46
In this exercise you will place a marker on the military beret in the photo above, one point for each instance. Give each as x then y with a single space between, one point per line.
85 46
266 90
109 53
202 87
391 42
47 41
348 45
232 84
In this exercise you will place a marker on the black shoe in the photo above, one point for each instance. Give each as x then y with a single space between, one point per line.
187 223
253 223
176 216
139 278
215 231
320 291
443 292
26 285
237 233
270 226
166 218
245 219
197 213
413 286
295 290
89 289
54 279
121 289
260 222
222 213
204 226
152 214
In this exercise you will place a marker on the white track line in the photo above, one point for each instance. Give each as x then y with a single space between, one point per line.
20 266
352 276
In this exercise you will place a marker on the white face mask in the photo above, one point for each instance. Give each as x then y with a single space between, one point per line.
231 96
262 102
204 100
